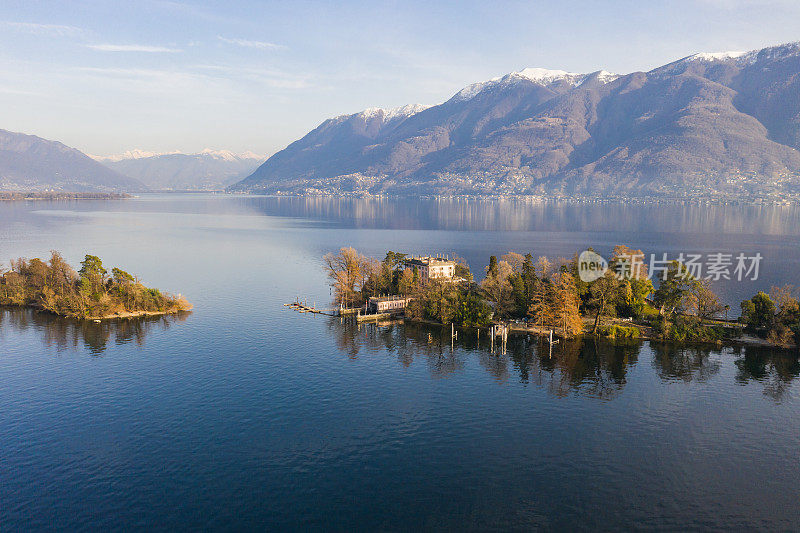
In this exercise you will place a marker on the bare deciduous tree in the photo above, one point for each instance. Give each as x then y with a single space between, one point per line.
347 272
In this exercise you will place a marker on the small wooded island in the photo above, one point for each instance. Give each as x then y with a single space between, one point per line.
540 296
90 293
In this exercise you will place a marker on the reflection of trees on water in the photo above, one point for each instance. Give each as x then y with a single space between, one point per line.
684 363
776 370
65 333
596 370
407 342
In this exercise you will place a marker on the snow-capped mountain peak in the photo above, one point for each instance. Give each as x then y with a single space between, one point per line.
773 53
225 155
744 58
131 154
544 76
539 76
716 56
392 113
605 76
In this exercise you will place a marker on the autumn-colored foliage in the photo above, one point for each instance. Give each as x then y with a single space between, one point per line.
91 292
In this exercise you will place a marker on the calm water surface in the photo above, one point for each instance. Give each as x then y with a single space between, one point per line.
243 414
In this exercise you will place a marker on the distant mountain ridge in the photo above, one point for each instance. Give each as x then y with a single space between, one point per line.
205 170
136 153
708 124
30 163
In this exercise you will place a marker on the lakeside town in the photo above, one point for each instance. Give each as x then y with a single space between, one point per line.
556 299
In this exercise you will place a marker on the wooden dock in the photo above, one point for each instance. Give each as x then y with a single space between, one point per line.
303 308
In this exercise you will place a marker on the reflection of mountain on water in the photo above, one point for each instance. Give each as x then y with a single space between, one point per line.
525 215
595 370
65 333
588 368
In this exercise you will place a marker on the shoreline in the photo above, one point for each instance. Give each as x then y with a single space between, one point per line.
722 200
133 314
117 315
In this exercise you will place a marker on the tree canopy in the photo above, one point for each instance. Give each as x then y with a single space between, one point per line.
54 286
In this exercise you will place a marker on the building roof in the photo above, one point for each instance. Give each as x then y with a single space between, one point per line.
430 261
377 299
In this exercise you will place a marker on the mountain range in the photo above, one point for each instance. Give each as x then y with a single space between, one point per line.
708 124
30 163
206 170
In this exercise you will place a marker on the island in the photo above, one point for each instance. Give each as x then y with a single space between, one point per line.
556 298
91 293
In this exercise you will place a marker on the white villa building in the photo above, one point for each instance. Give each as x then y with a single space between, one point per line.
432 267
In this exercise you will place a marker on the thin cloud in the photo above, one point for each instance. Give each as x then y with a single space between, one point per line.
276 79
742 4
150 82
59 30
136 74
11 90
203 74
262 45
106 47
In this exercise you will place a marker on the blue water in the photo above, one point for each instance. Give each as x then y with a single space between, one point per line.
245 415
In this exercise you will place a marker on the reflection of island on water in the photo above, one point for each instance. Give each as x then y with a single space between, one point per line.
775 370
594 369
66 333
692 363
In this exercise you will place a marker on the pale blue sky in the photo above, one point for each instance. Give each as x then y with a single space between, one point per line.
160 75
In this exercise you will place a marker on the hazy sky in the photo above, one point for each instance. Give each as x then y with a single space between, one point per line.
109 76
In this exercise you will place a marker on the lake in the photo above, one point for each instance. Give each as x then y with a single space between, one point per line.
246 415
